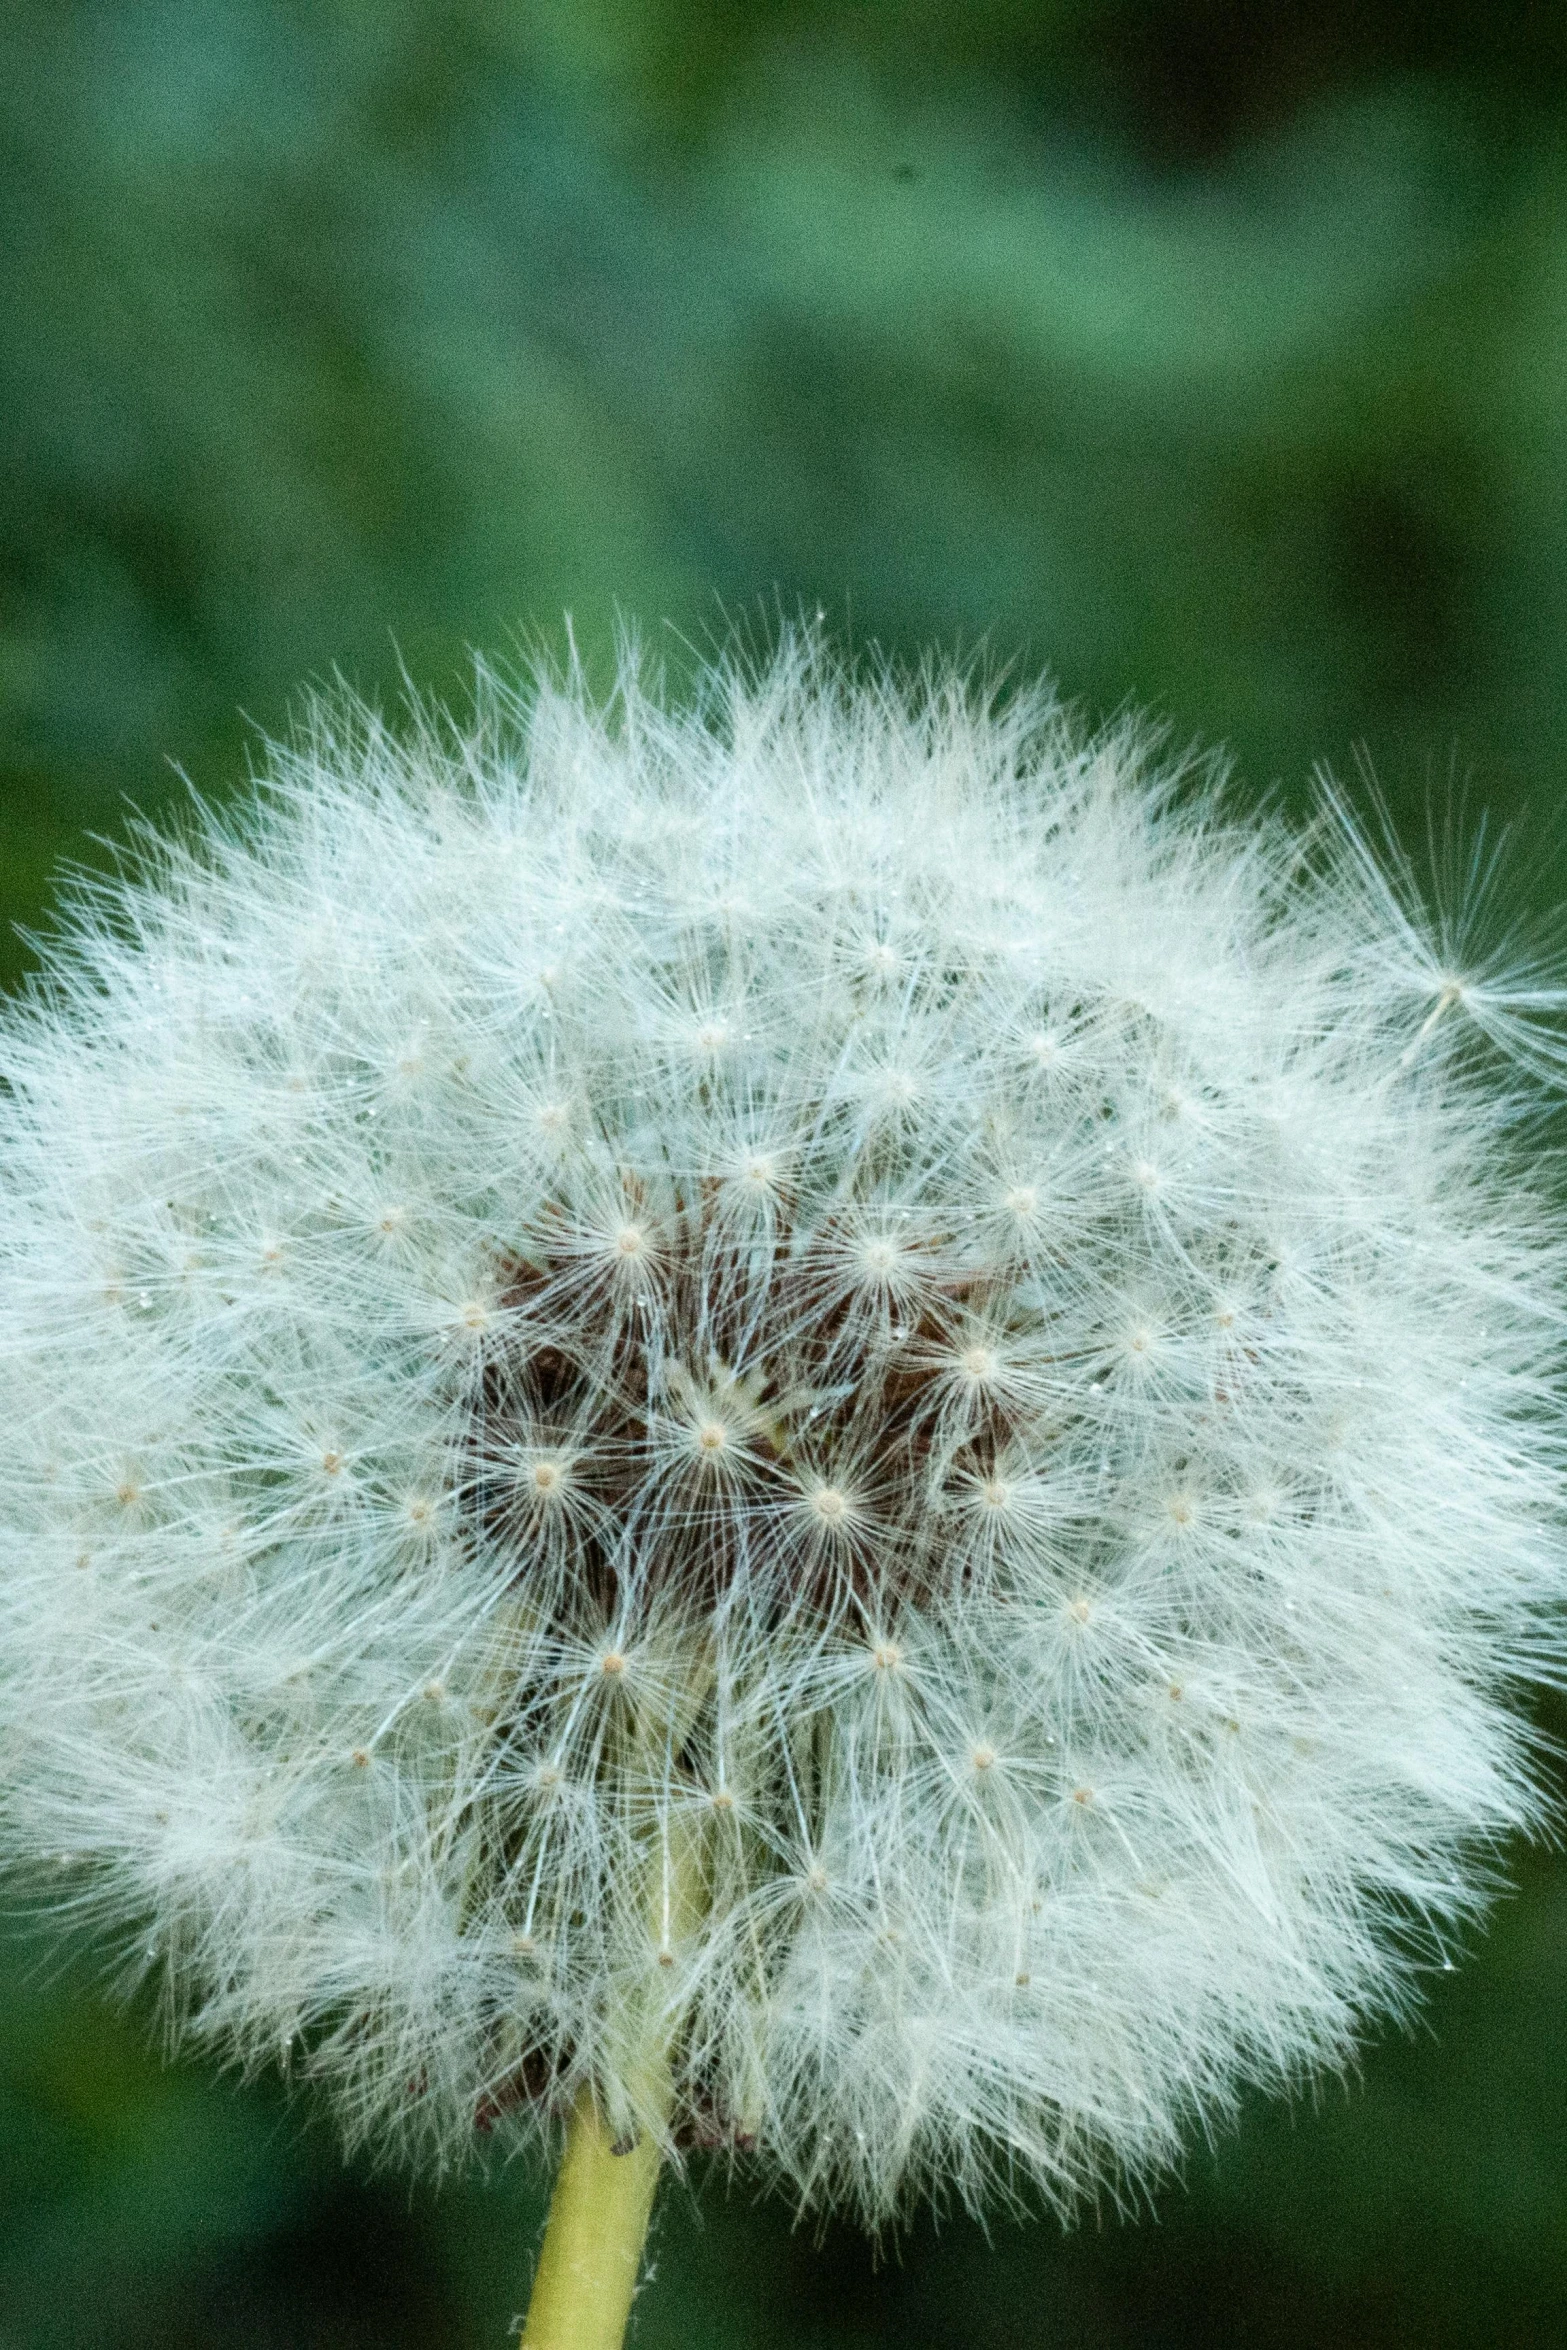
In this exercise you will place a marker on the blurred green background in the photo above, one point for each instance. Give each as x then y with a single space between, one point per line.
1211 355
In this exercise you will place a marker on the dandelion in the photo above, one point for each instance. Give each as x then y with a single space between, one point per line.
819 1428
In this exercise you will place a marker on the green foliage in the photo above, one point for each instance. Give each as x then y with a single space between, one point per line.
1213 357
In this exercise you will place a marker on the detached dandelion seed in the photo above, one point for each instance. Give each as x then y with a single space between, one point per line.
825 1428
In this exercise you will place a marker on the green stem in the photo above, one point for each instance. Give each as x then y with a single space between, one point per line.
603 2200
592 2248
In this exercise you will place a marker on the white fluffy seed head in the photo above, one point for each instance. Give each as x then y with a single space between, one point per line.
840 1372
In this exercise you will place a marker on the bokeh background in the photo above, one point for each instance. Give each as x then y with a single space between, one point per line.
1212 355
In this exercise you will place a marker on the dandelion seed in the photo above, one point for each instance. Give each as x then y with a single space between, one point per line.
881 1221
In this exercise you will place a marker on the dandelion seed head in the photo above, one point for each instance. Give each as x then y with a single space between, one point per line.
847 1292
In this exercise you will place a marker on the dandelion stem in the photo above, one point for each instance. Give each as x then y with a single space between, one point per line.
592 2248
604 2190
